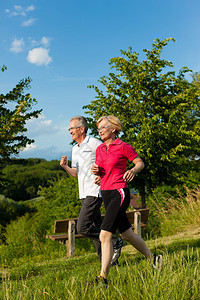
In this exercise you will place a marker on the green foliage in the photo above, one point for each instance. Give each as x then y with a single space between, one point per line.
25 240
24 176
3 68
159 110
25 237
60 198
10 210
15 111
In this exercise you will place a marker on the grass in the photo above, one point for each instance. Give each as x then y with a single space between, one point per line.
65 278
177 214
46 274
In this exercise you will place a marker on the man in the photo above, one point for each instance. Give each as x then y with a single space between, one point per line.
83 157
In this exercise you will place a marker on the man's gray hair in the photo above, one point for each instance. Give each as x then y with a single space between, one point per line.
81 121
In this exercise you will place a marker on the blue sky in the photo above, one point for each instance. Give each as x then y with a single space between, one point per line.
64 46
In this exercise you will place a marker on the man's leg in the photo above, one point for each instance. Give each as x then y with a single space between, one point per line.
117 242
97 223
89 220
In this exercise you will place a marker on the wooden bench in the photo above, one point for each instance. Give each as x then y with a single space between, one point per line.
65 230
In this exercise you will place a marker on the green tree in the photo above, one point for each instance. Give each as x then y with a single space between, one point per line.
61 198
11 210
159 110
15 111
24 176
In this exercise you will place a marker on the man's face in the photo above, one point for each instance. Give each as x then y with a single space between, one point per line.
75 131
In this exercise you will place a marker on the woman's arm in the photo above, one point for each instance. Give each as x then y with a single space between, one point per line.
130 174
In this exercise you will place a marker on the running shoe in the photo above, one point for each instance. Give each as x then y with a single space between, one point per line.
116 263
116 251
157 261
98 282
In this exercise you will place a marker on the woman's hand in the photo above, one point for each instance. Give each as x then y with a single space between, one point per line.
95 169
129 175
97 180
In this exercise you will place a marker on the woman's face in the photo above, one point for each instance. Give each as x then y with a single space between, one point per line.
106 130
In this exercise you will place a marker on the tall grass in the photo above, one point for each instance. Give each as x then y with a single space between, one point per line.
34 268
179 278
177 214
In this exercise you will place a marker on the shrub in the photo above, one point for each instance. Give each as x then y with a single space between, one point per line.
23 177
10 210
25 237
60 199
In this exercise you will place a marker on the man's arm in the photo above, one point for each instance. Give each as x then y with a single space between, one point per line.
64 165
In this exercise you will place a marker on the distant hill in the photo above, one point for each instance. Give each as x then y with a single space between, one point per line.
22 177
47 154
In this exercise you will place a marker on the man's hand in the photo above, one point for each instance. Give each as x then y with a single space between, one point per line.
64 162
64 165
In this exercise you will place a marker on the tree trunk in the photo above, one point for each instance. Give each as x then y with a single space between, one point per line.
142 193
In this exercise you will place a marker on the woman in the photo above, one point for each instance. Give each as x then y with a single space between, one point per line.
110 164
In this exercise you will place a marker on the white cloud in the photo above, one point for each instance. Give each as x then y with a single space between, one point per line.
45 42
18 10
28 23
39 56
29 147
41 126
51 142
17 46
30 8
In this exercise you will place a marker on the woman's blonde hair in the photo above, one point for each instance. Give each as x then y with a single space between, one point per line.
114 121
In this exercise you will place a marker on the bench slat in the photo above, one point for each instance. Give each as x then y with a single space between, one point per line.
63 237
61 226
66 230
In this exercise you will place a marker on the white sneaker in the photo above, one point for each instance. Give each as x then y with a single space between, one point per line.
116 251
157 261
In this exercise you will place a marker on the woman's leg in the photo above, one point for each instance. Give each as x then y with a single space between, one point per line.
137 242
106 252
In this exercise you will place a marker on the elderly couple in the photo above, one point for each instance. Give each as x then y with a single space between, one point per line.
92 160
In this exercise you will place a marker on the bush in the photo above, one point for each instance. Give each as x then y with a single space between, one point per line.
60 199
25 237
25 240
10 210
22 177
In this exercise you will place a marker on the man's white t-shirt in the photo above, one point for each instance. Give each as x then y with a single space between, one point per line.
83 157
